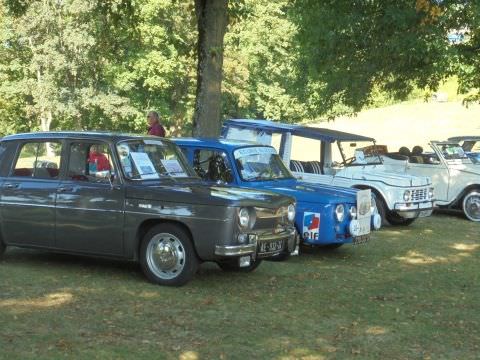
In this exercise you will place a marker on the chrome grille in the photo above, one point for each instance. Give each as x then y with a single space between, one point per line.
419 194
270 218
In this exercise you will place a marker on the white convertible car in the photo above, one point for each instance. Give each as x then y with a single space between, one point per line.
341 159
454 173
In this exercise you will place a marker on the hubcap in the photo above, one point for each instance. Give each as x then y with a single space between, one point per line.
472 206
165 256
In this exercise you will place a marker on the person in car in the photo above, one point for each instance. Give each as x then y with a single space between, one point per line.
97 161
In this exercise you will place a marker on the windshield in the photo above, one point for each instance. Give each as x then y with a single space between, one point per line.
260 164
358 153
453 152
147 159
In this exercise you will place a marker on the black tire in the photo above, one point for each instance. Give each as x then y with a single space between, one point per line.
233 266
381 208
397 220
470 205
177 246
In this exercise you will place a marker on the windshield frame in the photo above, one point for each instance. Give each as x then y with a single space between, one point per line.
465 158
289 177
178 152
344 159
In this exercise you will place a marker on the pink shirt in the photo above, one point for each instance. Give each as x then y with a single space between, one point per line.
157 130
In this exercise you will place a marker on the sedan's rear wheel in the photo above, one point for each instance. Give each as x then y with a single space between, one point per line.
471 205
167 255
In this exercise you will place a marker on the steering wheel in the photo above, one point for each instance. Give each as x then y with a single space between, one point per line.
350 160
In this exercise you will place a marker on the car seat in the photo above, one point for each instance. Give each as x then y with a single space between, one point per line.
296 166
416 156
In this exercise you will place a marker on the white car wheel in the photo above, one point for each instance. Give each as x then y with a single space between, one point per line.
471 205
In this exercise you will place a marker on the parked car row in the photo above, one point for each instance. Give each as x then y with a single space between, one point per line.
235 201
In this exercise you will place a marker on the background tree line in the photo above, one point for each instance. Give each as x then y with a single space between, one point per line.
83 64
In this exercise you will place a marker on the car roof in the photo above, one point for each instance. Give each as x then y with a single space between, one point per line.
94 135
322 134
464 138
214 142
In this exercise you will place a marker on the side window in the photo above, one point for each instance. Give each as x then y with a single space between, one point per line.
89 162
212 165
39 160
306 155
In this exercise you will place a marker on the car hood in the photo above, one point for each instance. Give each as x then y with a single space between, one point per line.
380 174
313 193
206 194
470 169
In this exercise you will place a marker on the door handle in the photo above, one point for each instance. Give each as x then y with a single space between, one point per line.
63 189
11 186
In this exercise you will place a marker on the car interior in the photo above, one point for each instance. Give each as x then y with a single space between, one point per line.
414 156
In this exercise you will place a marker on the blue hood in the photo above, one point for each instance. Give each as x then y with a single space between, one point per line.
312 193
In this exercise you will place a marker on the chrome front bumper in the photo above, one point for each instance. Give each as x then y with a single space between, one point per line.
290 244
414 210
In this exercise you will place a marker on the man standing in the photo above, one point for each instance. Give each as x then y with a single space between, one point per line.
154 126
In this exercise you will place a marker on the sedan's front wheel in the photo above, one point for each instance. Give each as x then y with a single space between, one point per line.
471 205
167 255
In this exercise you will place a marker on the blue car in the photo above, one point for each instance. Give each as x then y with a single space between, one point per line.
326 216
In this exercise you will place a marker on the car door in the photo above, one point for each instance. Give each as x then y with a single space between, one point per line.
28 194
90 204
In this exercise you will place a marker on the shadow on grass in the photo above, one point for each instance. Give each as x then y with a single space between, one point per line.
71 263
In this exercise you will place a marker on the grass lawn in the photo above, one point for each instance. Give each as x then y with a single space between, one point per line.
410 293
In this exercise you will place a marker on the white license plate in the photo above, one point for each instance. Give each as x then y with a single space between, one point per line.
266 247
364 226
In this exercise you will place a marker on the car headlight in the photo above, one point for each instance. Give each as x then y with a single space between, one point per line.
291 212
430 193
244 218
406 195
353 212
340 212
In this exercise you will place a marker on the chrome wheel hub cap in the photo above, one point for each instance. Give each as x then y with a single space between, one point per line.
165 256
472 207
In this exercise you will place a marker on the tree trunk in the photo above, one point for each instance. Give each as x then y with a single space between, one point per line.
212 19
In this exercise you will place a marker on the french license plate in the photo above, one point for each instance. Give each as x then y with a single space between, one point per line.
364 226
361 239
266 247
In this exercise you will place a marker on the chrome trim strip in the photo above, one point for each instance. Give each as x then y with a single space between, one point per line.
235 250
25 204
172 216
86 209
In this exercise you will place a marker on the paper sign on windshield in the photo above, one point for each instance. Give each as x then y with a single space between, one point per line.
254 151
144 165
173 167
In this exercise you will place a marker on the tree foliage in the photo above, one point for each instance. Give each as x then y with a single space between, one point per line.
84 64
